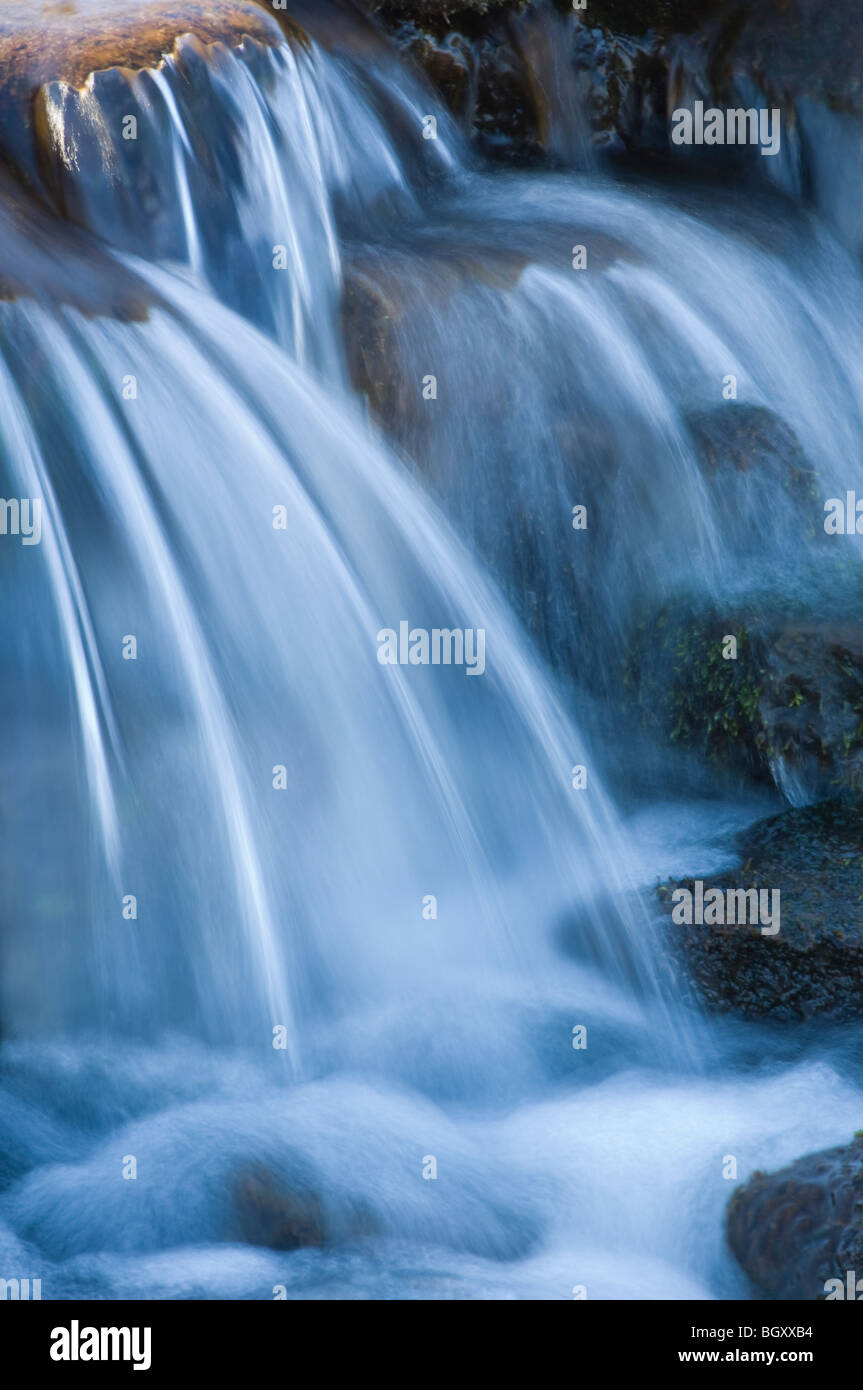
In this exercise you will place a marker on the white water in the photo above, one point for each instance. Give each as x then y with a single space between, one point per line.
302 907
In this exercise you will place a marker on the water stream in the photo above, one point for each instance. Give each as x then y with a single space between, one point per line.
350 878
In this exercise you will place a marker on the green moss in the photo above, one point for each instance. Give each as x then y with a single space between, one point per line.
794 690
699 697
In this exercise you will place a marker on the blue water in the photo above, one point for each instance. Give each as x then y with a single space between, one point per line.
407 1037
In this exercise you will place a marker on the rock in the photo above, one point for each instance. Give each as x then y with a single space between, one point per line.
483 77
442 9
267 1214
518 73
266 1211
792 48
622 16
368 316
46 260
788 709
385 299
793 1230
66 40
450 62
799 56
750 439
813 967
688 694
632 62
62 42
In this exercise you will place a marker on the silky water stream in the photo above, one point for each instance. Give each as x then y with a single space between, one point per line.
280 918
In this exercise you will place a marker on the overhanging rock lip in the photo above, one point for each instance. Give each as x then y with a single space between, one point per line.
45 41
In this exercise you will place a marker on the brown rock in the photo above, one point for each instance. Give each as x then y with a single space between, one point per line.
792 1231
66 40
45 42
267 1214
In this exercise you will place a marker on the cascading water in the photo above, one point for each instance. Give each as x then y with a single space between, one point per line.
367 863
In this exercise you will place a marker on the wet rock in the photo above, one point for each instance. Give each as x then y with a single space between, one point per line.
450 62
787 705
442 9
268 1210
792 48
631 64
268 1214
368 325
794 1230
788 709
797 55
624 16
813 966
127 191
518 73
508 111
384 299
801 57
688 694
66 40
62 42
483 77
812 703
48 261
750 440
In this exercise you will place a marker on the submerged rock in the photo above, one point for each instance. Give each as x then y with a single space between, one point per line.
267 1214
795 1230
267 1211
813 965
750 439
385 300
46 260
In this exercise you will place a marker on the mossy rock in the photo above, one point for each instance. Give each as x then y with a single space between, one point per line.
688 692
790 705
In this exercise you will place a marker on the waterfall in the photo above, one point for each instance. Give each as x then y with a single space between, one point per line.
274 905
